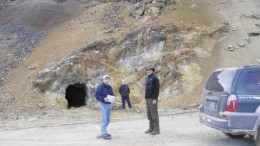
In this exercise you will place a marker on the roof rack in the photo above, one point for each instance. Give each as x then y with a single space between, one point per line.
252 65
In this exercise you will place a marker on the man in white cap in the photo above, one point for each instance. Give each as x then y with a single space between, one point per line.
102 92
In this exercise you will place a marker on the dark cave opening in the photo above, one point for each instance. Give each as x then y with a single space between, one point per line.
76 95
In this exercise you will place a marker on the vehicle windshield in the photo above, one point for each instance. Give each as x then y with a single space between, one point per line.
220 80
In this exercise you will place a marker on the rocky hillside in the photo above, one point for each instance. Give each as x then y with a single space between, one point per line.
74 43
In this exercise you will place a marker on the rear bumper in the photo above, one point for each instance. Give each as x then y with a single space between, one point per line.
236 123
217 123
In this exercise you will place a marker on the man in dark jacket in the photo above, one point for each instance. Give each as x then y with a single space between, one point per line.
102 92
124 91
151 97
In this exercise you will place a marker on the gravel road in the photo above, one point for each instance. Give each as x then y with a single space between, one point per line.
181 129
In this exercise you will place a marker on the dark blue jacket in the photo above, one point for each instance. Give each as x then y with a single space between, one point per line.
102 91
152 87
124 90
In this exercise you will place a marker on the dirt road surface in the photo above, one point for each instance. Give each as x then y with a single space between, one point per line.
244 18
176 129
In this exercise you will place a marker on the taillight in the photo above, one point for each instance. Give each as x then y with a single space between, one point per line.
231 103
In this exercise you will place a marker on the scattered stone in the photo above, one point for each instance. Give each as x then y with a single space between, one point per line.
41 105
255 33
231 49
258 25
109 31
33 67
230 46
188 28
254 16
241 44
226 23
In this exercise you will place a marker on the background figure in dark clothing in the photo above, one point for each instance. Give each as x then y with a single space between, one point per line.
124 91
151 97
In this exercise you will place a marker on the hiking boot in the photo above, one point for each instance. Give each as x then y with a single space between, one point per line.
148 131
155 132
107 137
100 136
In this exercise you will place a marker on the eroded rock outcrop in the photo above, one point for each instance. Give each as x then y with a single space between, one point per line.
161 46
125 59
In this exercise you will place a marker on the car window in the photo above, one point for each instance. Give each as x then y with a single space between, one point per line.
220 80
249 83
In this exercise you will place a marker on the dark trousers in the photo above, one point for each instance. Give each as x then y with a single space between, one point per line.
152 115
127 99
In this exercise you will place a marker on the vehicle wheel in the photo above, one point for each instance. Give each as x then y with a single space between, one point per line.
257 141
234 136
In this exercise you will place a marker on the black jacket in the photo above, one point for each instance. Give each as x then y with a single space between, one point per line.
124 90
152 87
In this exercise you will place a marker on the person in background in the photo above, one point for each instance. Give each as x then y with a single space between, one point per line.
103 90
124 91
151 97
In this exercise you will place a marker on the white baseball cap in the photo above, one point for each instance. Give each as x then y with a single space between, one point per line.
105 76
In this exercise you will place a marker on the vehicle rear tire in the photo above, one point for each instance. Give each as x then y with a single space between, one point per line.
234 136
257 141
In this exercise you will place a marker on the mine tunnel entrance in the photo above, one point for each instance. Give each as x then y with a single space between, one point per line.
76 95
